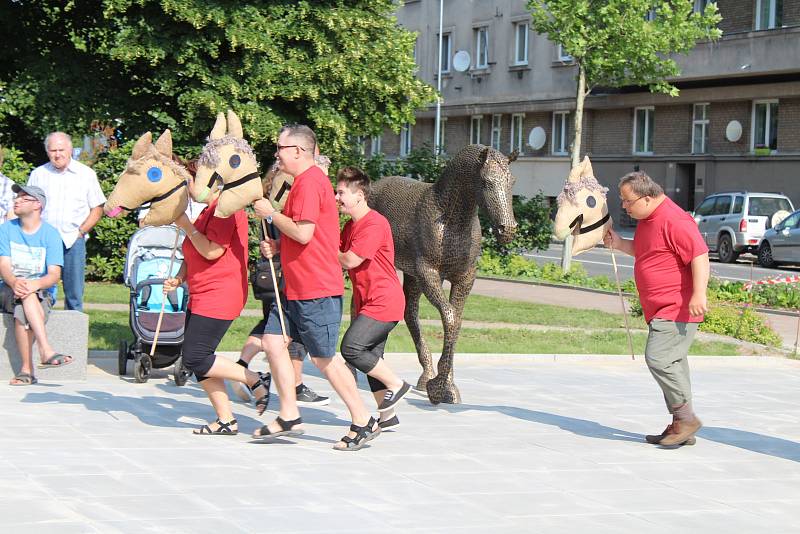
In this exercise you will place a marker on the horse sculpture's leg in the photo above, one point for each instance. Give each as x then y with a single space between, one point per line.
443 387
412 293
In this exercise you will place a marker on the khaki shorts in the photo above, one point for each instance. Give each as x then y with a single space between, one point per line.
667 357
11 304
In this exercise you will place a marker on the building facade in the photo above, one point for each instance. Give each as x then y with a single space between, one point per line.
733 126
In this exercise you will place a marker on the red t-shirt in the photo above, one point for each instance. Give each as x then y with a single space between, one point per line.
218 288
312 270
377 292
665 245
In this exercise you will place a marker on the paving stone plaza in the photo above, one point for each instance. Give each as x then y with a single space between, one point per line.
540 444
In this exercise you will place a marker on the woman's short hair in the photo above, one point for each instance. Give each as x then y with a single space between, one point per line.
354 177
641 184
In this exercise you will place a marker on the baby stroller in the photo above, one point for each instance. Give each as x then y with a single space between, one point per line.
146 265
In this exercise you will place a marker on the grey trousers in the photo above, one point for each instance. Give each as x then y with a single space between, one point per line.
666 355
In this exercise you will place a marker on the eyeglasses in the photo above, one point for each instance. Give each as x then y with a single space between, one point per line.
26 199
281 147
628 203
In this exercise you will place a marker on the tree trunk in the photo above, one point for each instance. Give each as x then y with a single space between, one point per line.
575 152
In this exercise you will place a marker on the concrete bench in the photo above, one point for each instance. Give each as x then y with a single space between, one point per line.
68 333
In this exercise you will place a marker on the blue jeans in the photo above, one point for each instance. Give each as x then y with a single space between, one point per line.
73 273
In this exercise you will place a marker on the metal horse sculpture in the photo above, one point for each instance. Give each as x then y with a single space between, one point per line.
437 237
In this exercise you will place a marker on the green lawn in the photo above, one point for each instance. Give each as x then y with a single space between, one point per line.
107 328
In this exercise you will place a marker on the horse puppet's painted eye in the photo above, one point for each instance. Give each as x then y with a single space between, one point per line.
590 201
235 161
154 174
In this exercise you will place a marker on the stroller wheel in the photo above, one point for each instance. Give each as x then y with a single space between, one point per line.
122 357
181 372
142 367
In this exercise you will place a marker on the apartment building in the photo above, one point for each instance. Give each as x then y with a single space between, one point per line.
734 126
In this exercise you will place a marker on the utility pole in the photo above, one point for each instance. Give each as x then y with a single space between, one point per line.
437 127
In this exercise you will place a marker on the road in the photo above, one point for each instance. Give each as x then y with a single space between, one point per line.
598 262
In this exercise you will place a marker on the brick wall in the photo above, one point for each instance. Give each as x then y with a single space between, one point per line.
791 12
673 130
737 15
720 114
788 119
456 134
611 131
390 143
588 132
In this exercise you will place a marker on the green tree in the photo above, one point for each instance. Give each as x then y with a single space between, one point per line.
344 67
616 43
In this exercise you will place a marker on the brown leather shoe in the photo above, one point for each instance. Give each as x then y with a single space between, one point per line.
655 439
681 431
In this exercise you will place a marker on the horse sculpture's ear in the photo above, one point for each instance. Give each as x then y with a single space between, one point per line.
587 167
483 156
234 125
164 144
142 145
513 156
218 132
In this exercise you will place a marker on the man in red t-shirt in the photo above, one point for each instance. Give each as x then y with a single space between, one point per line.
671 272
367 252
309 244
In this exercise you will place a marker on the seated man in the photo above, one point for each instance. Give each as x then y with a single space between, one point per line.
31 257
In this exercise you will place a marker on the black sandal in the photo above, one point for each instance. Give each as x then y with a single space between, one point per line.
223 430
287 429
364 434
261 402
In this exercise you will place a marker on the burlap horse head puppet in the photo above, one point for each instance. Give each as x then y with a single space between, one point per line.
227 168
582 209
151 179
277 183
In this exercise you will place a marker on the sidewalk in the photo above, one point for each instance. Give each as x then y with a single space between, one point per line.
531 449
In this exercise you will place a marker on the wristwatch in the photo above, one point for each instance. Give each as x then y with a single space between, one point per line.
269 218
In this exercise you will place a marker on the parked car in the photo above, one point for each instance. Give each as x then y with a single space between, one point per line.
734 222
781 243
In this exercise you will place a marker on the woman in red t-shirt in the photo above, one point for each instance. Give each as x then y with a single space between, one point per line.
215 268
367 252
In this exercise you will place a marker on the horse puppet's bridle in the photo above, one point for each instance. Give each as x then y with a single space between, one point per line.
586 229
236 183
148 203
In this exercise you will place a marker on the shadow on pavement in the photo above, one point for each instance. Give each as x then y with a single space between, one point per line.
752 441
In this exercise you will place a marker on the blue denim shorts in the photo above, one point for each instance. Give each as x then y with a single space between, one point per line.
314 323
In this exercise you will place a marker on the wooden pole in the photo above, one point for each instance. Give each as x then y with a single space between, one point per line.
277 290
164 298
622 301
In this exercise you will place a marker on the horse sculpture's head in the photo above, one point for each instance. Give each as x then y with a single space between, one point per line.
582 209
151 178
494 190
228 168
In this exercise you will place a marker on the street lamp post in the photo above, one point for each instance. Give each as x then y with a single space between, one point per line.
437 126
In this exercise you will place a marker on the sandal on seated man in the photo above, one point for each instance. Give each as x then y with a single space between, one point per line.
31 257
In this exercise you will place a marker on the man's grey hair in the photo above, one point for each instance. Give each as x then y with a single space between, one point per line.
307 137
641 184
57 134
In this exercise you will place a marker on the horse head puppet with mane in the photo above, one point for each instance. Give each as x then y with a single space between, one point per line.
151 179
228 168
582 209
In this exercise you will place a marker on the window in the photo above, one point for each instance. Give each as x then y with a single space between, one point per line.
497 121
700 5
562 55
706 207
375 145
405 140
445 52
521 43
482 47
475 130
516 133
769 14
561 129
651 15
765 124
359 144
700 129
767 206
442 125
738 202
722 206
643 131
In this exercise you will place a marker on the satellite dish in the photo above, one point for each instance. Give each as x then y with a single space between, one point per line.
537 138
461 61
733 132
